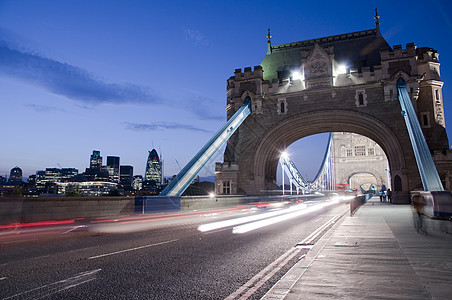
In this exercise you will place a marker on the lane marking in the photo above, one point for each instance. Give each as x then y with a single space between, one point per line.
309 240
282 288
76 228
53 288
260 278
250 287
132 249
3 278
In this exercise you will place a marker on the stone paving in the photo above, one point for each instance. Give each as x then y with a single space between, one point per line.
376 254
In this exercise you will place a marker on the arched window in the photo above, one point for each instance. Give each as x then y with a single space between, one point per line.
397 183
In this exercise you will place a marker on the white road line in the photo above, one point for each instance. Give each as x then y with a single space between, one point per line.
267 277
249 288
131 249
53 288
3 278
260 278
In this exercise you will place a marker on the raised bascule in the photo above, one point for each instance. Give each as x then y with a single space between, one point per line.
344 83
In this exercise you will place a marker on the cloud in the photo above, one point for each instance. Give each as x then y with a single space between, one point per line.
162 126
195 36
44 108
66 80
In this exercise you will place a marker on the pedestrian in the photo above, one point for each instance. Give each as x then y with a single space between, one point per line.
389 194
382 195
418 214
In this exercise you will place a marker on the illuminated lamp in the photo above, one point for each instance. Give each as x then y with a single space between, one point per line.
284 154
341 69
296 75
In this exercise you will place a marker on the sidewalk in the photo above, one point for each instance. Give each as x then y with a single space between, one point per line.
376 254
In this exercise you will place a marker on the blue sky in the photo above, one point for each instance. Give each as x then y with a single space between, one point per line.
124 77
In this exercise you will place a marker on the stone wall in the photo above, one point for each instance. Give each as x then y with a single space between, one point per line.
22 209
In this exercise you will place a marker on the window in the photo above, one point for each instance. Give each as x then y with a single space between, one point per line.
361 99
226 187
282 106
360 150
437 94
397 183
425 119
371 151
349 152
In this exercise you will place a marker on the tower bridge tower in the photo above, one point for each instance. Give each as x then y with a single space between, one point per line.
341 83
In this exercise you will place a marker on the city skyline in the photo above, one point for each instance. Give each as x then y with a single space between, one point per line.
126 78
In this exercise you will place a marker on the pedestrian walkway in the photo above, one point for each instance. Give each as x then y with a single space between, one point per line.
376 254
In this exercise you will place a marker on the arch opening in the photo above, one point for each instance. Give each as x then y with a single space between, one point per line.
286 132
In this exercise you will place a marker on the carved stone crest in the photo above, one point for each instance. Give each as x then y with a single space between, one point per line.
318 68
318 63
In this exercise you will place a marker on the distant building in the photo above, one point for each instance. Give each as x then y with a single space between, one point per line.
126 176
153 175
2 180
113 168
137 183
15 176
32 180
96 160
55 175
96 174
89 188
359 162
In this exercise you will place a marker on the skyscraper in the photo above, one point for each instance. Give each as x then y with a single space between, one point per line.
96 160
113 168
15 176
126 176
153 175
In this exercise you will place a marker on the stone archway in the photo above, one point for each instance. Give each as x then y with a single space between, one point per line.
361 100
374 181
284 133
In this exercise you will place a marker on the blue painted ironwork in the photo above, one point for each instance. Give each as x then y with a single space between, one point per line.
292 172
324 180
185 177
427 169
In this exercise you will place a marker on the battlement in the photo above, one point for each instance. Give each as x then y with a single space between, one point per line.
398 52
248 73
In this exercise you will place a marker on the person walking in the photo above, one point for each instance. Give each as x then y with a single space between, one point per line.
389 194
382 195
418 203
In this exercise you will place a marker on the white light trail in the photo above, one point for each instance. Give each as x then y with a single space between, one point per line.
233 222
265 219
262 223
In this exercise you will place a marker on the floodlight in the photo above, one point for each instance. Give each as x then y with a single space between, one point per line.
341 69
296 75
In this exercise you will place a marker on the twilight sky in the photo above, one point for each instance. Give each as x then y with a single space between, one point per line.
124 77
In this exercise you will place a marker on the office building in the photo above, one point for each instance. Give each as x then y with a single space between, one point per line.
15 176
126 176
137 183
153 175
96 160
113 168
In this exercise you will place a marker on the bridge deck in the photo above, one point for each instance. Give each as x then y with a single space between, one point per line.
376 254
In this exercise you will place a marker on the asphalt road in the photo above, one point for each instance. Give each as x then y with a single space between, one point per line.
166 256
